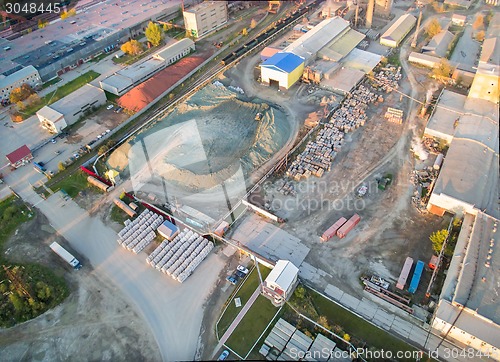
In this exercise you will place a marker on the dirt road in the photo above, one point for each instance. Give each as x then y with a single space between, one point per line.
172 311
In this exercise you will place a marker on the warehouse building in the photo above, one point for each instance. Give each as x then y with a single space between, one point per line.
439 44
69 109
326 32
398 31
283 69
469 176
281 282
9 81
128 77
69 43
445 116
20 157
468 311
205 17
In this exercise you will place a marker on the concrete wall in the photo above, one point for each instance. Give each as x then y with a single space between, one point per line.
98 100
285 80
450 204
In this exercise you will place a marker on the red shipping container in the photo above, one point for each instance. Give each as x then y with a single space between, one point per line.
332 230
348 226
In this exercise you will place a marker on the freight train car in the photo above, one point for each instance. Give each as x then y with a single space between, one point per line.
417 274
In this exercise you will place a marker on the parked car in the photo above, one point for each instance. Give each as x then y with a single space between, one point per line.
242 269
109 107
223 355
231 279
107 131
240 274
53 140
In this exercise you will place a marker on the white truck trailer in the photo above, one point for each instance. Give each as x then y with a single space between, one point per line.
63 253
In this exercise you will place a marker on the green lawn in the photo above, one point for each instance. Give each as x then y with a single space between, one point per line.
51 82
60 92
72 184
244 293
357 327
12 214
251 326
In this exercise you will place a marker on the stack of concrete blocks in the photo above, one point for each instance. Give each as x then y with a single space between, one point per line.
137 234
394 115
319 154
180 257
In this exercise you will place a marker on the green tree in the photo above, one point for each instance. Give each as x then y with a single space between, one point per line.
20 93
103 149
433 28
61 166
438 238
153 34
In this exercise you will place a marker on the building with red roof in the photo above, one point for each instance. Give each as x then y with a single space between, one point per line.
20 156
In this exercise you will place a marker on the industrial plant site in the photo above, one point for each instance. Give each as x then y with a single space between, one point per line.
314 180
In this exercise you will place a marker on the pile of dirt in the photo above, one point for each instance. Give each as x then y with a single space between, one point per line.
187 146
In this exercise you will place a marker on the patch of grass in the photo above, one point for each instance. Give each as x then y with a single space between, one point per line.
118 215
251 326
60 92
99 57
26 290
51 82
355 326
72 184
244 293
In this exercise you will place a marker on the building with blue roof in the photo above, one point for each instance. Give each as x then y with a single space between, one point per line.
283 69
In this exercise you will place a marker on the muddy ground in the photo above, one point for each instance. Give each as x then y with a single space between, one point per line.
93 323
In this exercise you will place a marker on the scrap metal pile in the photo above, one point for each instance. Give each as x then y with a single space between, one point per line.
320 153
387 78
180 257
137 234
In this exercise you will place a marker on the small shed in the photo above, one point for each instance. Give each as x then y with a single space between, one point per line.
281 282
20 156
458 19
168 230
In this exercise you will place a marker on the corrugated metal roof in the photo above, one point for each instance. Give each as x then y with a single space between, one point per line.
17 76
285 62
339 48
400 27
18 154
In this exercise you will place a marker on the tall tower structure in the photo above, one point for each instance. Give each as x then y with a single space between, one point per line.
414 41
369 13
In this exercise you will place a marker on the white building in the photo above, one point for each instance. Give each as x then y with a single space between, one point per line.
205 17
398 30
128 77
281 282
69 109
27 75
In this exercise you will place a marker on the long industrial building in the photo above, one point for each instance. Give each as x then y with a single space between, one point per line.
128 77
398 30
468 311
66 44
69 109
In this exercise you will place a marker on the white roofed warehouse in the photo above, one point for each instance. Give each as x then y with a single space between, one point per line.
281 282
283 69
69 109
398 30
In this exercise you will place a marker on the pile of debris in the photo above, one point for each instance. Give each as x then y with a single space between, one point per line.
431 144
387 78
394 115
287 189
320 153
424 183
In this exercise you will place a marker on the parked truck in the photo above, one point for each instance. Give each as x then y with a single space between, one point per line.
66 255
417 274
403 276
348 226
332 230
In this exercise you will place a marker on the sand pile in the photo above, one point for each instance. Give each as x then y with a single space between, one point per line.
205 140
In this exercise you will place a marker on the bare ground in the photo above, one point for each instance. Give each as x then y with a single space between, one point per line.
93 323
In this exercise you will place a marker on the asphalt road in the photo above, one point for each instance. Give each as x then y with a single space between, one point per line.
173 311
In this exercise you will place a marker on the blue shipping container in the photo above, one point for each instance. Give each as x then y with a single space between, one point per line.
419 268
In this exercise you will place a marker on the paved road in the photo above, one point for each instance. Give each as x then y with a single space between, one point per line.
173 311
237 320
